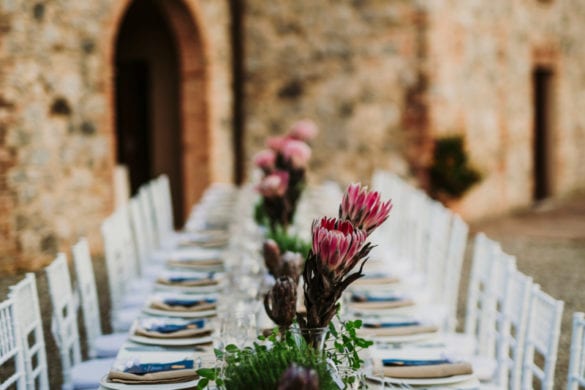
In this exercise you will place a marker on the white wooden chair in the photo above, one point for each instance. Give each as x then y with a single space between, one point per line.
454 263
99 345
28 315
11 354
435 258
576 376
542 337
480 320
122 271
510 337
76 374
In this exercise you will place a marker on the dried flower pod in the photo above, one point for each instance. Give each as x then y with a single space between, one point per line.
299 378
292 265
272 258
280 302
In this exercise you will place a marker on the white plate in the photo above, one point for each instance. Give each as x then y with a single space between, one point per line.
180 314
424 381
406 338
171 342
163 386
189 289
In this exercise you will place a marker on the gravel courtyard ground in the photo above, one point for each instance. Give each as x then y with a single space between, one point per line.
548 241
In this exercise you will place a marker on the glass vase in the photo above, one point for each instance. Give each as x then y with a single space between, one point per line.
314 337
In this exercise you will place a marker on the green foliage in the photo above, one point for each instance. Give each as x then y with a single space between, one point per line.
260 216
290 243
450 174
262 365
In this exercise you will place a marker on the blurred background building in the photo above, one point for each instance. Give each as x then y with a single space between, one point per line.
191 88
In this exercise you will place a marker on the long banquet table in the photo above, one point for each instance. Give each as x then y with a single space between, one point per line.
241 281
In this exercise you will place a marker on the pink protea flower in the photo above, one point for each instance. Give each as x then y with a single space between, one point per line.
336 244
304 130
364 208
265 160
297 152
273 185
276 143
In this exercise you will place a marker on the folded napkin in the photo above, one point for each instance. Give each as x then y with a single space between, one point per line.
155 373
435 370
195 263
398 331
389 324
188 281
175 331
185 305
376 280
375 298
382 305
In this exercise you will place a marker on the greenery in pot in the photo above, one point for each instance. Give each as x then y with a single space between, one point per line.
263 365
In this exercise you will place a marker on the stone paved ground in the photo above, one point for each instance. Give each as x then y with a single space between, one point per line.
549 244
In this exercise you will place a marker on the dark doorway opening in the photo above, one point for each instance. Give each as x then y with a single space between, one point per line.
148 125
542 78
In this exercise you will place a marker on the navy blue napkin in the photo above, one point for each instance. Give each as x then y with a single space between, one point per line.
150 368
187 302
390 324
171 328
411 363
180 279
369 298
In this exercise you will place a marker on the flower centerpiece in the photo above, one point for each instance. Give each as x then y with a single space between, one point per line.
283 166
339 246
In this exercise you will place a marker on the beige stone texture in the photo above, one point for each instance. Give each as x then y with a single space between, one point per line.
345 64
481 59
56 167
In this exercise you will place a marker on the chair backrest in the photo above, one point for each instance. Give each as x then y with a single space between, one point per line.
148 223
435 258
576 376
30 325
452 277
120 255
418 225
542 337
138 229
88 293
167 201
66 332
11 354
480 318
511 327
158 211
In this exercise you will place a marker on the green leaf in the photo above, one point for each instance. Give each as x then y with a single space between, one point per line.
203 382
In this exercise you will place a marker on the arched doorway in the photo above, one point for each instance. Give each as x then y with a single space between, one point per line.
160 99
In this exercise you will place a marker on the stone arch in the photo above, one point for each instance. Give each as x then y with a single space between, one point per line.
185 23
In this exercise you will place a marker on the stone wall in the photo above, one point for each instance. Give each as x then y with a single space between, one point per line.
480 64
349 65
384 78
56 120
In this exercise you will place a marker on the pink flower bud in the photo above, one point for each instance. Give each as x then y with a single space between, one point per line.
265 159
336 243
304 130
297 152
276 143
274 185
364 208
